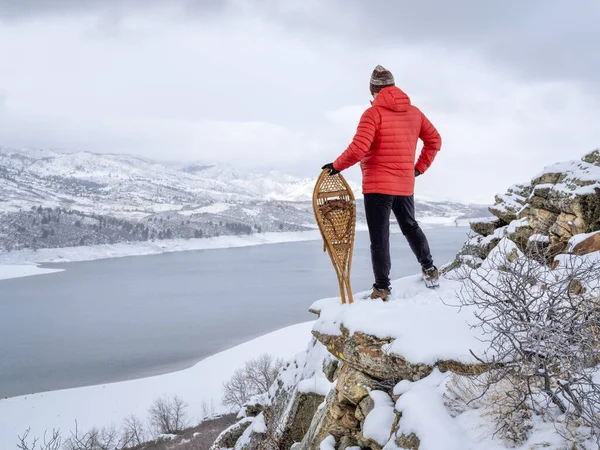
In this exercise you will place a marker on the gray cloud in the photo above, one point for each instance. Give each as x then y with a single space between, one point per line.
545 39
541 39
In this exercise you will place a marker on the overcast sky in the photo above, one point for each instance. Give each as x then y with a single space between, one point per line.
512 86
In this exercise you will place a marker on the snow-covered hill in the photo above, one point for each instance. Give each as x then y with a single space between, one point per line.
113 198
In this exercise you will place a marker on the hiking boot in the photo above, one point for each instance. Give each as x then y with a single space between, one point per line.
431 277
383 294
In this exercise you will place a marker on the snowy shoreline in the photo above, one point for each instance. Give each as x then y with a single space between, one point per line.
109 404
22 263
125 249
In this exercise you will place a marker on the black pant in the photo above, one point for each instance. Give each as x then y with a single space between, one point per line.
377 209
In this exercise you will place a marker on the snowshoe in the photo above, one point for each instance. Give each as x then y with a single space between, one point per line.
431 277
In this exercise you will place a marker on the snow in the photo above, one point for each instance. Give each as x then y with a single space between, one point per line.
580 178
539 238
93 252
108 404
491 219
320 386
378 423
215 208
423 409
515 225
424 413
16 271
259 425
244 438
424 327
328 443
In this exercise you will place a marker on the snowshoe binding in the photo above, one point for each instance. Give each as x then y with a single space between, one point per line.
431 277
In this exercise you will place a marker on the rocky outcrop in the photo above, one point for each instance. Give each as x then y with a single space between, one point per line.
301 412
561 202
229 437
354 374
283 416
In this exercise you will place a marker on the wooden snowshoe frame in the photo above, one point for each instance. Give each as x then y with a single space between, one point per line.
335 212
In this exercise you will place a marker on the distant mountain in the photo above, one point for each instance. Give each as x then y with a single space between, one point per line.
51 199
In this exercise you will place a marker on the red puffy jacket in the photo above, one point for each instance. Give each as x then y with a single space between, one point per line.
386 143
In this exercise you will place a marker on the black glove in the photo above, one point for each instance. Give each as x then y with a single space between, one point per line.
331 169
417 173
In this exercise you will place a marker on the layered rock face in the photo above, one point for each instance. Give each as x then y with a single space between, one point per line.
347 401
561 202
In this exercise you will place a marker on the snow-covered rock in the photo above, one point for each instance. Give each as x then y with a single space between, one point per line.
560 202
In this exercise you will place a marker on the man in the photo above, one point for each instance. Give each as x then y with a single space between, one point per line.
385 144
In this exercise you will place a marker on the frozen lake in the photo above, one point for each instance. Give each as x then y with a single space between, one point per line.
116 319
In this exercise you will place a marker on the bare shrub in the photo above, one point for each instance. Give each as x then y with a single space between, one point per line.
263 371
541 325
168 415
208 410
462 393
256 377
49 442
107 438
134 431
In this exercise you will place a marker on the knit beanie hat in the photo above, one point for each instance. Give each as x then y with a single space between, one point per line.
380 78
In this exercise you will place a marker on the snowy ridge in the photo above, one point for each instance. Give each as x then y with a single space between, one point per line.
52 199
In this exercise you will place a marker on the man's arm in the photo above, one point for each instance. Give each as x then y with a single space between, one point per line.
362 141
432 143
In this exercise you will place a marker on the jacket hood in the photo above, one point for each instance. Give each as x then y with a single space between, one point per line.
392 98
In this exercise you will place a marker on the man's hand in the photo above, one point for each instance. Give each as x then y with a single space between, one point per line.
417 173
331 169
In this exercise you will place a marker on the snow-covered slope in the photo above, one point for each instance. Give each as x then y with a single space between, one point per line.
122 184
51 199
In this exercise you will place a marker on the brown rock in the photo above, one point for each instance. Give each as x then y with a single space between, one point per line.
507 215
486 228
330 369
364 408
548 178
556 247
576 288
300 417
254 410
587 208
410 442
353 385
347 442
592 157
324 424
339 410
350 422
541 220
589 245
363 442
567 225
365 354
521 236
229 437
